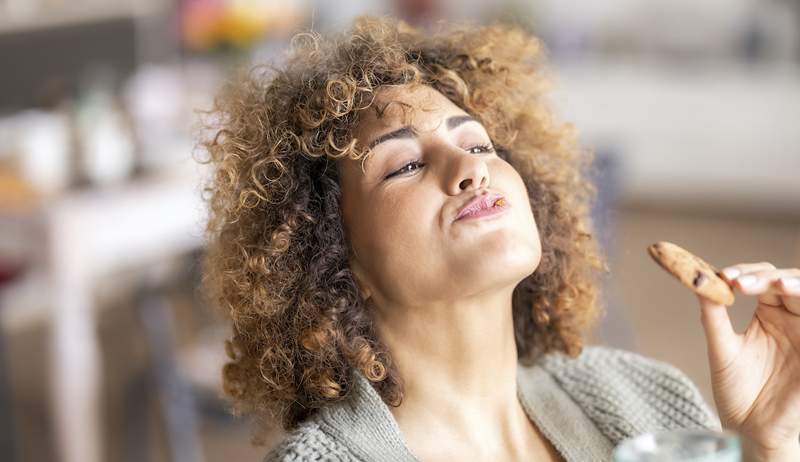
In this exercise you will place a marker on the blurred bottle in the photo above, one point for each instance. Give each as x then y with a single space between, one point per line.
155 97
107 154
42 149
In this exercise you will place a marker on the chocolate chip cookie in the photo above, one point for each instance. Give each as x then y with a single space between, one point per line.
692 271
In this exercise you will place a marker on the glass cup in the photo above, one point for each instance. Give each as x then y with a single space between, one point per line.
680 446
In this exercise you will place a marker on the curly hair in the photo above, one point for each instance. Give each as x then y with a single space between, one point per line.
277 259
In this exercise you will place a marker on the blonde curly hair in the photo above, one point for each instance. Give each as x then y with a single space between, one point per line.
277 258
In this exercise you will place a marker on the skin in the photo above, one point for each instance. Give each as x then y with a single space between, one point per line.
440 293
440 290
755 374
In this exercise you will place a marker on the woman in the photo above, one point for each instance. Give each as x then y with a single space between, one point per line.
399 233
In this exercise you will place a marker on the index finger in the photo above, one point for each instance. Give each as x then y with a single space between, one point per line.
729 273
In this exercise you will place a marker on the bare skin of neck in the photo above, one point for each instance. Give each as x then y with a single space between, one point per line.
459 366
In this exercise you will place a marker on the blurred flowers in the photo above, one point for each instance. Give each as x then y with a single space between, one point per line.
211 25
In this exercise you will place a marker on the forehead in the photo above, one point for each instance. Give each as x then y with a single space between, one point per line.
420 106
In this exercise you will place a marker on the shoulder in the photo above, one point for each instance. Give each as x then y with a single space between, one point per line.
605 363
309 442
629 393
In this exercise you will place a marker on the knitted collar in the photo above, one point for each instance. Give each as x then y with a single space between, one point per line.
364 423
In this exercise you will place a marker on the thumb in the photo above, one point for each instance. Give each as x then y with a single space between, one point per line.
722 340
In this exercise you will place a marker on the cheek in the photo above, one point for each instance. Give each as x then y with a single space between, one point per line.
400 229
525 220
515 187
401 221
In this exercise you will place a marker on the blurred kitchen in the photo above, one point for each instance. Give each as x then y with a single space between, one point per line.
108 349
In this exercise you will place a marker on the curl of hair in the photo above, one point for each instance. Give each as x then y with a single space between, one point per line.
277 260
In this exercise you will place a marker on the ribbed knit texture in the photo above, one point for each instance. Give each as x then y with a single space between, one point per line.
584 406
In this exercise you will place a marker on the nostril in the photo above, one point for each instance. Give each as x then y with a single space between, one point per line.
465 183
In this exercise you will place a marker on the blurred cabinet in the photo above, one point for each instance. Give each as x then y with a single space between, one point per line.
27 15
715 136
52 47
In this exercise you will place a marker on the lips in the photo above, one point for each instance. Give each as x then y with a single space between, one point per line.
480 204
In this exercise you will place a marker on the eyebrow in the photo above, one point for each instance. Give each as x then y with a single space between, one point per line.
408 131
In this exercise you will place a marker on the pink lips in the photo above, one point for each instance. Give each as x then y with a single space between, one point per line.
481 206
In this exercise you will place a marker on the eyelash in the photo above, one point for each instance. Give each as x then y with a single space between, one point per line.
484 149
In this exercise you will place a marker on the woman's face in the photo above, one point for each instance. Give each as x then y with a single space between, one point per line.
400 211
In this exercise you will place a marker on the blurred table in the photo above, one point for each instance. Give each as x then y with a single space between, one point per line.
89 236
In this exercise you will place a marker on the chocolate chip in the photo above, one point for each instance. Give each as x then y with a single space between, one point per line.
699 279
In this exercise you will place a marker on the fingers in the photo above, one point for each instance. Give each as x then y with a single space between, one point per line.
734 271
723 341
789 292
757 281
774 287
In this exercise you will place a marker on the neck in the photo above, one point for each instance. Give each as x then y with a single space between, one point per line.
458 364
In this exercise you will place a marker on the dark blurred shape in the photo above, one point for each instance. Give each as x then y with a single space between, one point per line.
175 398
7 430
47 65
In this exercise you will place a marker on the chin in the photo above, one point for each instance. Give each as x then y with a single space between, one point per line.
510 266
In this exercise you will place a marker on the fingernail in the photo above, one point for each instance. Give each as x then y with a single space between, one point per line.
730 273
747 280
790 282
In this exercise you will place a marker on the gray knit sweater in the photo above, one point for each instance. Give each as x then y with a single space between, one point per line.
584 406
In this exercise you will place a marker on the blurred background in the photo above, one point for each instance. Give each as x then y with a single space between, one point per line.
108 350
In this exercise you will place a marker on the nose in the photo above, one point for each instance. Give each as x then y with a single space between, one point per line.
469 171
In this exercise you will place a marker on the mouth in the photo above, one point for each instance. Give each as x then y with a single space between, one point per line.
483 206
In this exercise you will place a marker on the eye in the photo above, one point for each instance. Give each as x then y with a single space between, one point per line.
406 168
481 148
409 167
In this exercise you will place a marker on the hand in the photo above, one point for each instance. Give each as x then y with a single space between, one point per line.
755 375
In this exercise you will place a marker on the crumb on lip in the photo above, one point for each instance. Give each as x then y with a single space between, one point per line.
485 204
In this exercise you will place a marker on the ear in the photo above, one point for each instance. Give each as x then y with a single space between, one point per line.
359 275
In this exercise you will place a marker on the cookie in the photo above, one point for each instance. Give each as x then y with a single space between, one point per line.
692 271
